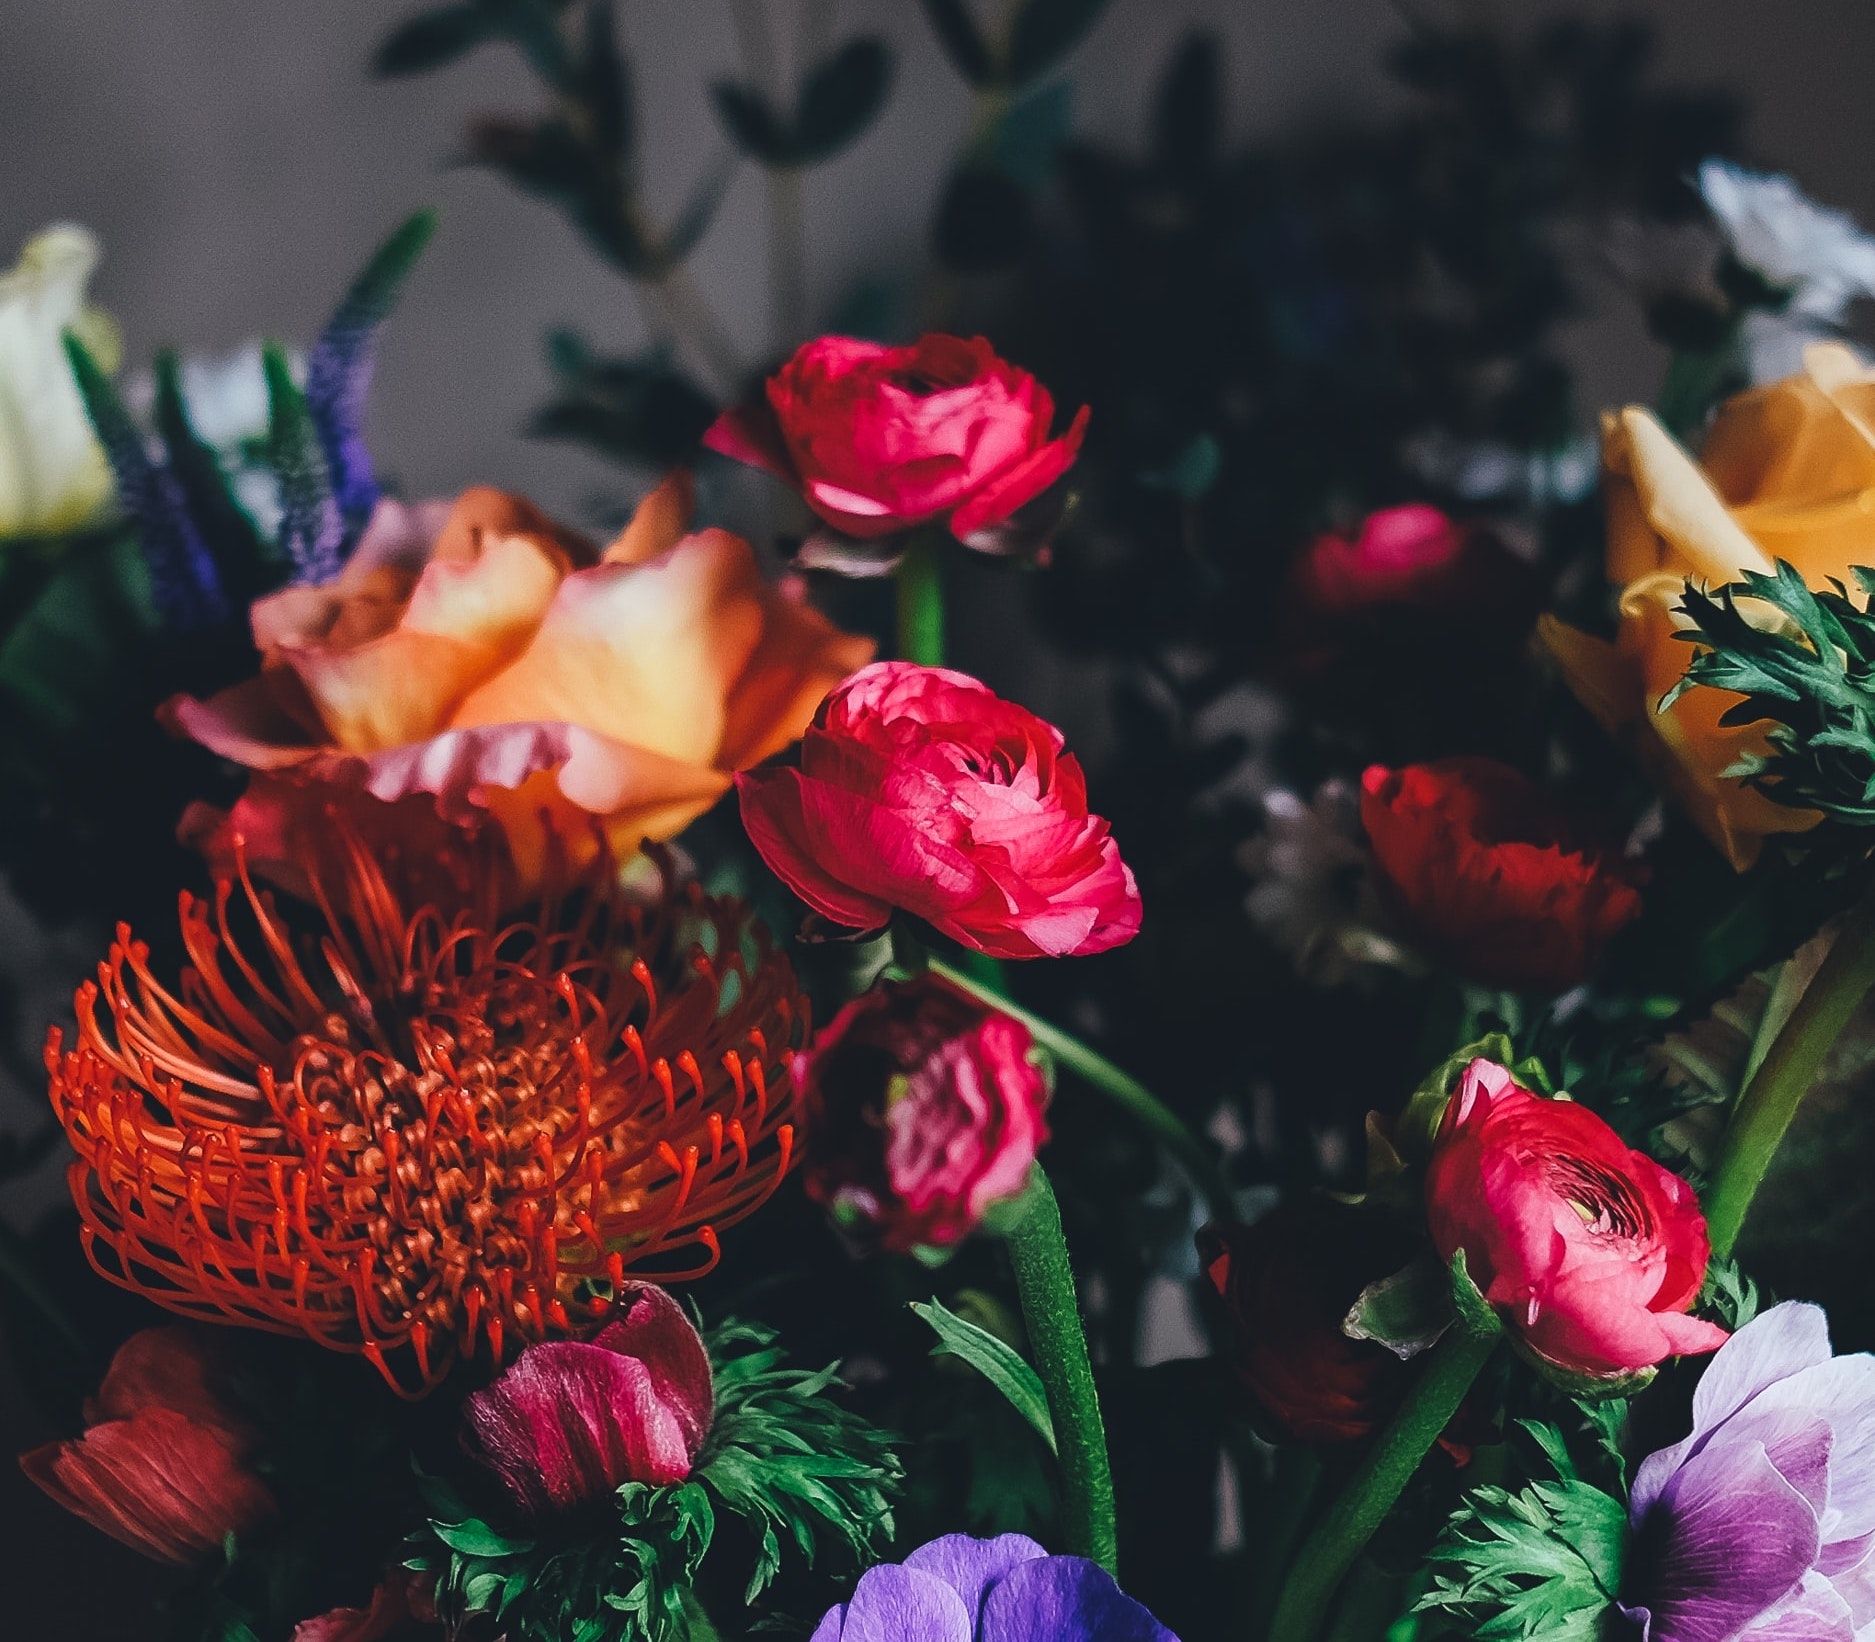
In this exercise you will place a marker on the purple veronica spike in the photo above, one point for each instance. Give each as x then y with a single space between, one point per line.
338 372
185 585
1760 1525
958 1589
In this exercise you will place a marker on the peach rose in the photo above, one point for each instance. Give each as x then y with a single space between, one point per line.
482 655
1787 471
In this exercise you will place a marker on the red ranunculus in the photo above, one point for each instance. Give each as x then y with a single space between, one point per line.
926 1110
1409 555
162 1466
878 439
1286 1283
570 1420
921 790
401 1603
1591 1252
1491 875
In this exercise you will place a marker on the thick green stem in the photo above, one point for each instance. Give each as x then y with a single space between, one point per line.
1125 1091
1776 1089
921 604
1051 1313
1343 1533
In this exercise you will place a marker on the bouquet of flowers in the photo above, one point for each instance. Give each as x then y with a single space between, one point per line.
626 1085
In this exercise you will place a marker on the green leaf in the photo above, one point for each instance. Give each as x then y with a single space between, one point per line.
472 1538
1045 32
1541 1564
752 124
840 98
999 1363
433 39
957 33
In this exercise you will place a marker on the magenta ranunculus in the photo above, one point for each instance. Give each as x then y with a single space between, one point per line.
926 1110
570 1420
878 439
1008 1589
920 790
1759 1525
163 1465
1590 1252
1412 555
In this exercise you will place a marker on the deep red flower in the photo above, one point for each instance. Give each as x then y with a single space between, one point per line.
400 1604
570 1420
921 790
1491 874
420 1133
1285 1285
1591 1252
163 1464
926 1110
878 439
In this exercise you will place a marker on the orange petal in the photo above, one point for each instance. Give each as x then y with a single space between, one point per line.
643 654
658 523
1663 512
801 658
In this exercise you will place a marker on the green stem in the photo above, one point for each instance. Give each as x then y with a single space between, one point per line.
1124 1090
1051 1313
921 604
1343 1533
1776 1089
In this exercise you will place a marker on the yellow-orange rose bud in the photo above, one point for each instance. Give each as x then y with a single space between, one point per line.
1787 471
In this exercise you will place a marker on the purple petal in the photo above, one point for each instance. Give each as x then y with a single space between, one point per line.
1772 1346
970 1566
832 1627
1814 1614
898 1604
1065 1599
1730 1539
1841 1391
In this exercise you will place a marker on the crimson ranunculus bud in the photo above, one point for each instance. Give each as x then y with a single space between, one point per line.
1413 554
162 1466
921 790
570 1420
1491 876
878 439
1286 1283
926 1110
1590 1252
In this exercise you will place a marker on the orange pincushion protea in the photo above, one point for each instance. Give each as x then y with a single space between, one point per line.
427 1135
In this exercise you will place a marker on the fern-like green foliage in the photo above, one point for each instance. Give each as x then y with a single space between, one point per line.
1804 663
802 1473
1543 1562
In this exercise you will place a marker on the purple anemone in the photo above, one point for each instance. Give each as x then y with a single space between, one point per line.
1008 1589
1760 1525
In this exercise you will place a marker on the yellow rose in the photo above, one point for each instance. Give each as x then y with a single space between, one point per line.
53 476
1787 471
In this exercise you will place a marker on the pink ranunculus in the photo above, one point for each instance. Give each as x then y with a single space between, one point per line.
570 1420
926 1111
1590 1252
163 1464
1411 554
878 439
921 790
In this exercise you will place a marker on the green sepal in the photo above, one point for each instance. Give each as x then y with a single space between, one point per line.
1407 1311
1475 1313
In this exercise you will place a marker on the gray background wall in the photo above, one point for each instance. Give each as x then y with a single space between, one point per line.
237 163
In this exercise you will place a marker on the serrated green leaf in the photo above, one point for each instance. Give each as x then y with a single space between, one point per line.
472 1537
998 1362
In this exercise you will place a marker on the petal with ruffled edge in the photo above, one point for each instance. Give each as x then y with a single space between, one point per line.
1020 484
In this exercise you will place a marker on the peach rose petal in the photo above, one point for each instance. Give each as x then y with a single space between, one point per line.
645 654
658 523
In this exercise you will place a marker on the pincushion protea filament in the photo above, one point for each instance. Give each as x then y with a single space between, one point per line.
427 1135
